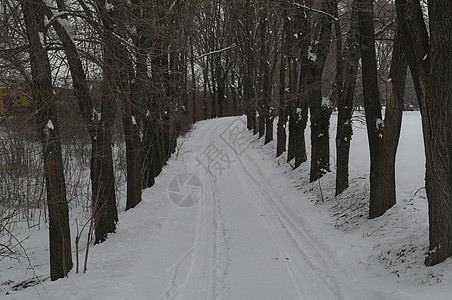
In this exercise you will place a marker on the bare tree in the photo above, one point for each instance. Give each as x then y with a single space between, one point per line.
383 135
347 70
428 55
48 126
282 108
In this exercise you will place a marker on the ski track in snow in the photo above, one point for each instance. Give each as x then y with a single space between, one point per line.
207 268
207 277
307 283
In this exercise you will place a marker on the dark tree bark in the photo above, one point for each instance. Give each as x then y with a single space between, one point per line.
320 117
153 146
415 39
133 146
105 213
267 92
47 119
319 110
102 176
438 112
222 77
213 91
383 136
249 76
297 49
128 98
282 119
159 129
104 202
371 103
345 94
263 75
204 98
141 94
432 74
100 188
193 82
234 91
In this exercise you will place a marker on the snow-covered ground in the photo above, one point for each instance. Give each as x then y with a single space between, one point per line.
228 220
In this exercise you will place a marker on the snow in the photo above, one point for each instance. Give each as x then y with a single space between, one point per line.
379 124
60 17
49 125
260 230
326 102
42 39
66 25
132 29
109 7
311 55
96 115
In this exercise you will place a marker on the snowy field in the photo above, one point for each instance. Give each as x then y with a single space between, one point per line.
253 228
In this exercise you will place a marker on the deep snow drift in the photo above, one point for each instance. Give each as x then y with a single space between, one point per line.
227 220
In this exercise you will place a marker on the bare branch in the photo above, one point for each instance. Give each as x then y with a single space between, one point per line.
216 51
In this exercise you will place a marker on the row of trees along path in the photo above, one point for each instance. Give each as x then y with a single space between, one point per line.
161 63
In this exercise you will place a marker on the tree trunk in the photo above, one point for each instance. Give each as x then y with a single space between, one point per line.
432 75
320 125
233 89
438 111
263 76
248 82
267 100
129 98
105 213
213 92
47 119
297 37
147 116
372 108
320 110
133 148
248 95
383 137
221 75
104 199
282 119
193 82
345 94
204 98
97 131
293 108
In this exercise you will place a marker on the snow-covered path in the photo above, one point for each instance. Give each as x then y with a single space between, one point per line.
245 246
250 235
